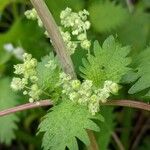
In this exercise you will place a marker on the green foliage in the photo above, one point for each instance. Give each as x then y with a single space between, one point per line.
7 123
140 74
28 35
48 77
67 121
4 57
106 16
108 63
145 145
3 4
138 25
64 124
107 127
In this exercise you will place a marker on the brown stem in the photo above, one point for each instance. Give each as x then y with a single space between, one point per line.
57 41
25 107
126 103
93 144
117 140
55 36
141 133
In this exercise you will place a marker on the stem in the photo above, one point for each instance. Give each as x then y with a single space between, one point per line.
141 133
54 33
117 140
93 144
130 6
26 107
126 103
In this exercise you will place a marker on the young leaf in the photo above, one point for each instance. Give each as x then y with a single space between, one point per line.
110 62
7 123
64 124
48 72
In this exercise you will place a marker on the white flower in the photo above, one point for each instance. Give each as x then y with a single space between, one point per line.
85 44
75 84
86 93
8 47
17 84
77 24
31 14
17 52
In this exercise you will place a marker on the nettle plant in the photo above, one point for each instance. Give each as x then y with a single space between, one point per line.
77 99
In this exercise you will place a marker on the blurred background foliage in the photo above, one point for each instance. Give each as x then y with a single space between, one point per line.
128 20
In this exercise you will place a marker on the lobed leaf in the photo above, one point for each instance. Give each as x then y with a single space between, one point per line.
64 124
109 62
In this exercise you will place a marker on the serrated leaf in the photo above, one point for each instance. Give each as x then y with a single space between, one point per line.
107 127
109 62
7 123
47 76
141 74
64 124
106 16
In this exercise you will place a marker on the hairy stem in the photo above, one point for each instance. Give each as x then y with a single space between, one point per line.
55 36
126 103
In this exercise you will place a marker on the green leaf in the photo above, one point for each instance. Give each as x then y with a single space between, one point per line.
141 74
4 57
64 124
27 34
110 62
7 123
145 144
47 76
3 4
135 31
107 127
106 16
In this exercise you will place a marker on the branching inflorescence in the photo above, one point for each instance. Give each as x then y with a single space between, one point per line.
82 93
78 101
74 27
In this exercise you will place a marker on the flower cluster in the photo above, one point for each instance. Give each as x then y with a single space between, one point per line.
32 14
78 24
28 79
86 93
16 51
